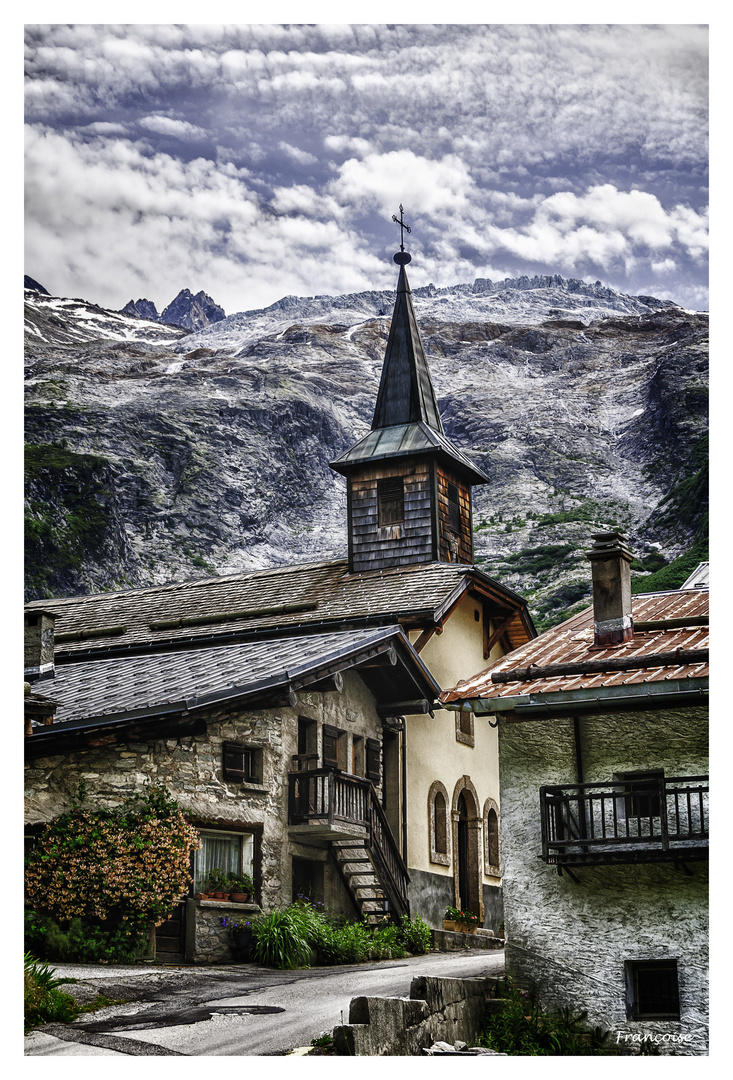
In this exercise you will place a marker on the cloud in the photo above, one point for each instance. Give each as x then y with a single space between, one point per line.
176 129
513 148
400 175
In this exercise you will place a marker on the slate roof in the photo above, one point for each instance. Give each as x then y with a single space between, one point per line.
282 598
403 440
663 623
406 416
123 688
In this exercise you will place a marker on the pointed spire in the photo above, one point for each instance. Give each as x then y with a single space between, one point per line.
406 394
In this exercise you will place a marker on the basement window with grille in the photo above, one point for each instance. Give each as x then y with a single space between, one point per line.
242 762
652 990
391 500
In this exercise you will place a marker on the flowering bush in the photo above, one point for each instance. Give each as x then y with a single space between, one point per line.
128 863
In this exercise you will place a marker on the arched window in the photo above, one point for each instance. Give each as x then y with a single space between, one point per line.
438 824
492 845
441 831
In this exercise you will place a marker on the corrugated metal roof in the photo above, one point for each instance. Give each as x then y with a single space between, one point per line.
105 688
572 643
277 598
699 578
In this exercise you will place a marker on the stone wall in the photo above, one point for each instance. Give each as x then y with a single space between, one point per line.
573 939
191 769
446 1010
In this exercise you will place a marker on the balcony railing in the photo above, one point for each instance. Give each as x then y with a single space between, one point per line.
649 819
327 796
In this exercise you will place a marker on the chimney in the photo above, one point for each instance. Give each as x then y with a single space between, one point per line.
38 645
613 622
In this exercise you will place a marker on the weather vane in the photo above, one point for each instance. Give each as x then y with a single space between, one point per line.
402 256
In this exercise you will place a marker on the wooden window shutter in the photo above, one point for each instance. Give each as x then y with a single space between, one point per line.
454 508
374 760
330 747
391 498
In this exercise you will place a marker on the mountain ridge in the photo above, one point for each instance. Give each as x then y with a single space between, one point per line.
207 452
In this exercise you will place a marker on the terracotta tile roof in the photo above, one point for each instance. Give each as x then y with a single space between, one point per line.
189 678
285 597
663 623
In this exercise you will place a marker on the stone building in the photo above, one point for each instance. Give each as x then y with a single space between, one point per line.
294 712
603 748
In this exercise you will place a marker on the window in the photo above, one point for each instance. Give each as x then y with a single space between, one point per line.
441 830
358 760
454 508
231 852
242 762
652 990
391 499
438 824
465 727
641 794
307 756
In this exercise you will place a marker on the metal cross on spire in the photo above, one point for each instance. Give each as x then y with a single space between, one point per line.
403 227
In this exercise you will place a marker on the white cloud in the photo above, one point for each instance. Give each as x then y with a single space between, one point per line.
380 180
177 129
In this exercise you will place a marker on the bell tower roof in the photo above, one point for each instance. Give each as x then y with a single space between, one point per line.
406 394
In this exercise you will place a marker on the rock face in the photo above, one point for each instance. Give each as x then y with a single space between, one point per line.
142 309
587 410
192 312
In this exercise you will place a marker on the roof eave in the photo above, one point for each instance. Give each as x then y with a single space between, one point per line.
593 699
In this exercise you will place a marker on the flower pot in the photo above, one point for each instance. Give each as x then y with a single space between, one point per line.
450 924
239 897
467 928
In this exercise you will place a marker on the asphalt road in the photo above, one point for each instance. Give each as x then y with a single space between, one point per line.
232 1011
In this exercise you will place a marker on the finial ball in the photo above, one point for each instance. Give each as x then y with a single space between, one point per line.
402 258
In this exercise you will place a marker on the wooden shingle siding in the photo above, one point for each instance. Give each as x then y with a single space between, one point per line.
462 541
372 549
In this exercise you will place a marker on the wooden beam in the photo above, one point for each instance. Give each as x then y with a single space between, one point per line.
400 708
491 639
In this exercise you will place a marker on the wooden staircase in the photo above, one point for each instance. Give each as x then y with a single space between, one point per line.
370 863
361 879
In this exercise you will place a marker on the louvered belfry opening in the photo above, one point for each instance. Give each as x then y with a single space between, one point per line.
408 486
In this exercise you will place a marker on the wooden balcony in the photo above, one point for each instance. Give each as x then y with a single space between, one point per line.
655 819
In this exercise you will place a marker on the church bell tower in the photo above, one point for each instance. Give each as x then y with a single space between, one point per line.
408 486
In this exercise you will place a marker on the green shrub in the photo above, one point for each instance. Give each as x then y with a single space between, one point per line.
88 940
415 935
523 1028
43 1002
282 939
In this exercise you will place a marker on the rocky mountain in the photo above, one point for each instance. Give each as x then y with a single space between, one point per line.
155 459
189 311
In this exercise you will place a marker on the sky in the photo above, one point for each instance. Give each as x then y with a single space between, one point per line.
256 161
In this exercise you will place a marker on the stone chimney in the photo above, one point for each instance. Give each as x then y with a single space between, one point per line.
38 645
613 622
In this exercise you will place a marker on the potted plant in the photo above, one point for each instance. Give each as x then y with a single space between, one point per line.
450 919
241 887
217 884
240 933
501 930
464 922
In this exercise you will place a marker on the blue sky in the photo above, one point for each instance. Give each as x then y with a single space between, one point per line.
256 161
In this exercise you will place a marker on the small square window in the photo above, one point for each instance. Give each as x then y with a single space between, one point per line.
652 990
241 762
641 794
